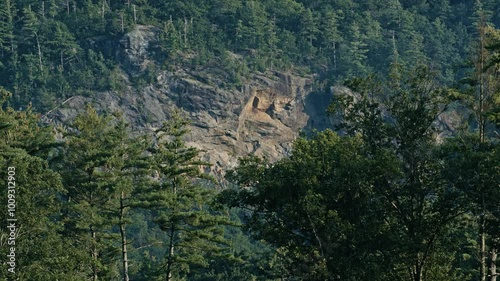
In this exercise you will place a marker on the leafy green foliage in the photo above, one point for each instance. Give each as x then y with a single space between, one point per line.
314 207
382 202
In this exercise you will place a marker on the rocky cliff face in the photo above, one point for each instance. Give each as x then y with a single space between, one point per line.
261 118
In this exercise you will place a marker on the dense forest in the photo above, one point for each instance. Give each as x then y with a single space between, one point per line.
379 196
51 50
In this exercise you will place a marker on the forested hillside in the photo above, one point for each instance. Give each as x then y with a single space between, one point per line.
51 50
382 195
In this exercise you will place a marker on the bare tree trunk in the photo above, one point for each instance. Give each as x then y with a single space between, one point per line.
103 8
493 265
417 271
185 32
124 238
94 256
481 93
335 57
482 243
170 253
135 14
394 47
94 253
93 234
481 122
170 258
39 52
121 17
10 23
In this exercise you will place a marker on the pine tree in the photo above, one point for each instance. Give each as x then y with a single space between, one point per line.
179 204
354 53
485 87
472 167
170 41
254 25
332 36
308 31
88 174
6 28
272 41
41 252
61 45
30 35
128 170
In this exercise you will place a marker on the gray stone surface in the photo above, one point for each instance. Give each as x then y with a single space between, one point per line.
261 118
